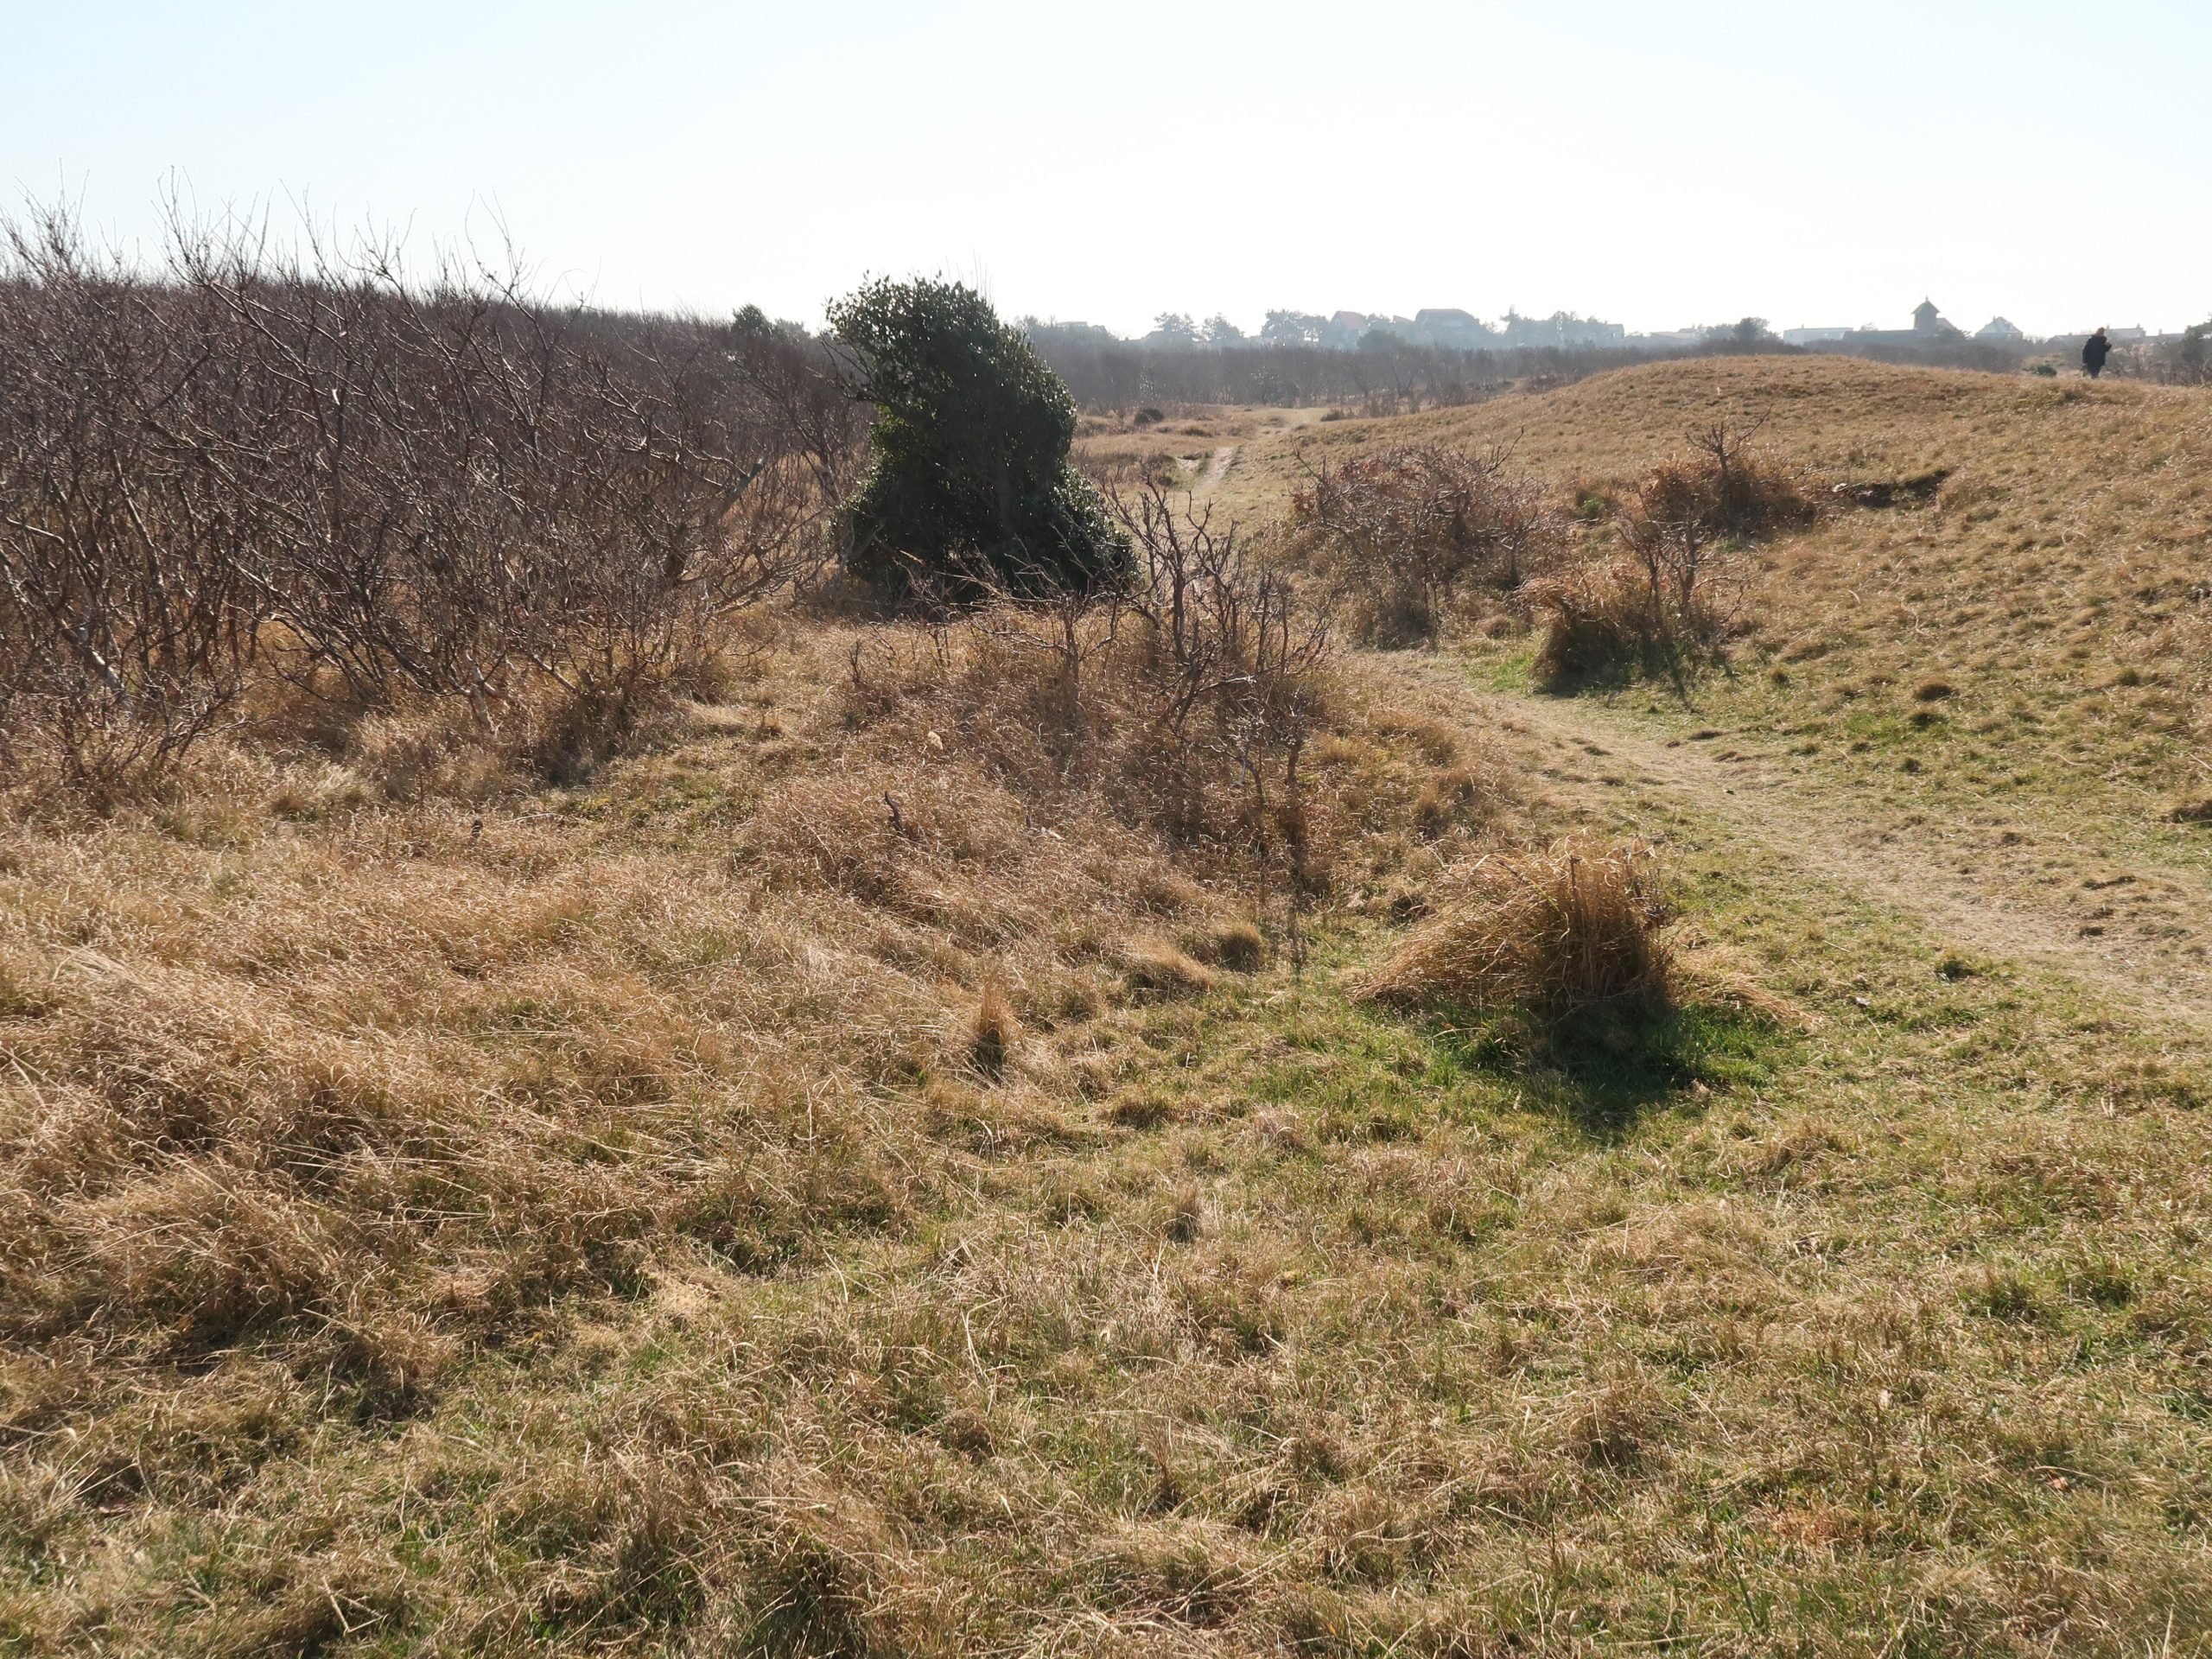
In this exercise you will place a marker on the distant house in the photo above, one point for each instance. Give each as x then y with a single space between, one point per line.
1342 329
1999 329
1929 328
1811 336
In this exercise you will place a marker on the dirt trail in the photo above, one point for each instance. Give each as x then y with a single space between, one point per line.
1958 880
1217 474
1209 482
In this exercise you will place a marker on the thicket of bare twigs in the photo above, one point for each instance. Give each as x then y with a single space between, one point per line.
303 474
1402 535
1186 700
1667 597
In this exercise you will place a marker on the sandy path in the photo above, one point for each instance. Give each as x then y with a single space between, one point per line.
1216 474
1960 880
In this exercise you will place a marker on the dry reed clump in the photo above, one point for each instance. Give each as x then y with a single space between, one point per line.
1553 935
1604 621
990 1033
1236 945
1158 967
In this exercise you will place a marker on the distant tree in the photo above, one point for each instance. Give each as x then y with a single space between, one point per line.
1220 331
1173 329
1379 338
754 323
1292 328
2193 355
1068 335
968 487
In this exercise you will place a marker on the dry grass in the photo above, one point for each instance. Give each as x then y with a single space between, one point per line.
1602 622
2062 547
2052 577
600 1233
1554 935
331 1086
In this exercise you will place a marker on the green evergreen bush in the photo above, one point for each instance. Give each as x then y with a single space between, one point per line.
969 487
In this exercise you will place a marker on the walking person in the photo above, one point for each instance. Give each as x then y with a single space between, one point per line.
2094 350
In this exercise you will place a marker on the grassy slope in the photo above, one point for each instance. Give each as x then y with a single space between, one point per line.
2059 586
1252 1322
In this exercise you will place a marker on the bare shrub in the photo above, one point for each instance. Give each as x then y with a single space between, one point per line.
1552 935
1403 534
1184 701
306 466
1236 670
1684 515
1668 600
126 616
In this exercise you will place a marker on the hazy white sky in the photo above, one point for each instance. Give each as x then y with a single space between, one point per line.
1657 163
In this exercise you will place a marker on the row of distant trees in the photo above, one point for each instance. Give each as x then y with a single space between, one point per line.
1288 364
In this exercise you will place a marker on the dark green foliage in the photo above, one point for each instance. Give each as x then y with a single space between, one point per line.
969 487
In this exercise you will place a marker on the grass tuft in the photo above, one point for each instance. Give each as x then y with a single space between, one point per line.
1554 935
1238 946
990 1033
1158 967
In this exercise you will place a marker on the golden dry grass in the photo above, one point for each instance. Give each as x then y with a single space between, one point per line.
324 1087
1557 934
2056 578
707 1211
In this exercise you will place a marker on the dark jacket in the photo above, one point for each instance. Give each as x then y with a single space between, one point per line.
2094 350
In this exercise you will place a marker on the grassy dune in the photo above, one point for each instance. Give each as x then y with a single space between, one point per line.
704 1209
2053 583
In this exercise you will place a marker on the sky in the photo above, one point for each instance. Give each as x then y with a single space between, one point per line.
1660 163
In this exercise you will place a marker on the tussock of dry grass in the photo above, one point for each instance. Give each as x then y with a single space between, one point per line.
990 1033
1554 934
1602 620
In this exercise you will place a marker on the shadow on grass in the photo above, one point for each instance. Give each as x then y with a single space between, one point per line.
1674 666
1603 1072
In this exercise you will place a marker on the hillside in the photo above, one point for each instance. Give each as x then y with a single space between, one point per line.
840 1181
2011 675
